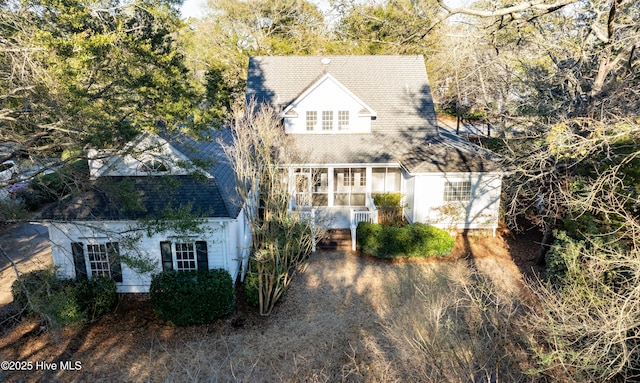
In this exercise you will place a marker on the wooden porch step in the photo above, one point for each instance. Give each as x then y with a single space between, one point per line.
336 240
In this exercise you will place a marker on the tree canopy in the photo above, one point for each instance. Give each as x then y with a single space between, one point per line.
82 72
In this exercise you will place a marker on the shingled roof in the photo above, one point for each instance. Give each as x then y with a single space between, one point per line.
396 87
131 198
449 153
207 151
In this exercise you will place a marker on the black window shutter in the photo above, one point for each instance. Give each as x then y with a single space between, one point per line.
202 255
113 252
77 249
167 256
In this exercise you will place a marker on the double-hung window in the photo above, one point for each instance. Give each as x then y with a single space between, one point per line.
312 119
97 260
184 255
343 120
327 120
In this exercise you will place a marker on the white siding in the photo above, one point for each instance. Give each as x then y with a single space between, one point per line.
327 96
481 212
409 196
220 254
236 244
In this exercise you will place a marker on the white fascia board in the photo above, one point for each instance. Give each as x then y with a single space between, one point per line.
453 174
314 86
99 225
344 165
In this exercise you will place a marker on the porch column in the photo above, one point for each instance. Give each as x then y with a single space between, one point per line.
291 185
292 181
330 186
369 175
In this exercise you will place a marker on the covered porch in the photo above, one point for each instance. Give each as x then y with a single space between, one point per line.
342 196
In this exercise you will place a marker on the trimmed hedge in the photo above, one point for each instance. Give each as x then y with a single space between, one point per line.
192 297
414 240
63 302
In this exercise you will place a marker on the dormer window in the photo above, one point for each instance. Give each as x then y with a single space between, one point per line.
312 119
327 107
153 166
343 120
327 120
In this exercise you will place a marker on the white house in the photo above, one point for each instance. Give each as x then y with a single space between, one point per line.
367 125
364 124
117 228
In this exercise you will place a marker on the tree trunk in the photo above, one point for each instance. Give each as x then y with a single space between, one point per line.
458 114
547 239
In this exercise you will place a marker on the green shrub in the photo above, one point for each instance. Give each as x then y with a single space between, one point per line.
387 199
97 296
63 302
251 289
431 240
368 237
389 208
192 297
414 240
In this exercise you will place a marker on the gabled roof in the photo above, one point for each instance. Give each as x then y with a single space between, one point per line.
131 198
146 146
404 129
207 151
449 153
147 196
366 109
396 87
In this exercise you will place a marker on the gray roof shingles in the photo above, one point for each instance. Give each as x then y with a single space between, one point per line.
450 154
208 149
404 131
396 87
131 198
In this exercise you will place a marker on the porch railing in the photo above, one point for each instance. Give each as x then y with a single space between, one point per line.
359 215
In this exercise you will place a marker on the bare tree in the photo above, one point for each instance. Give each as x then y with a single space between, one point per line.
282 239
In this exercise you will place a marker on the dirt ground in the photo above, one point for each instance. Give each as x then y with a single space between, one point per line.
329 327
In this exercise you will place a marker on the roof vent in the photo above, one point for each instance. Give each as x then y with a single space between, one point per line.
325 61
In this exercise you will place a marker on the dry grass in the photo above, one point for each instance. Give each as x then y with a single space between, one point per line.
345 318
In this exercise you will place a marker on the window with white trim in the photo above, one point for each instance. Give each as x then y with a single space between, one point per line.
327 120
312 119
97 260
153 166
349 178
343 120
184 255
457 191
